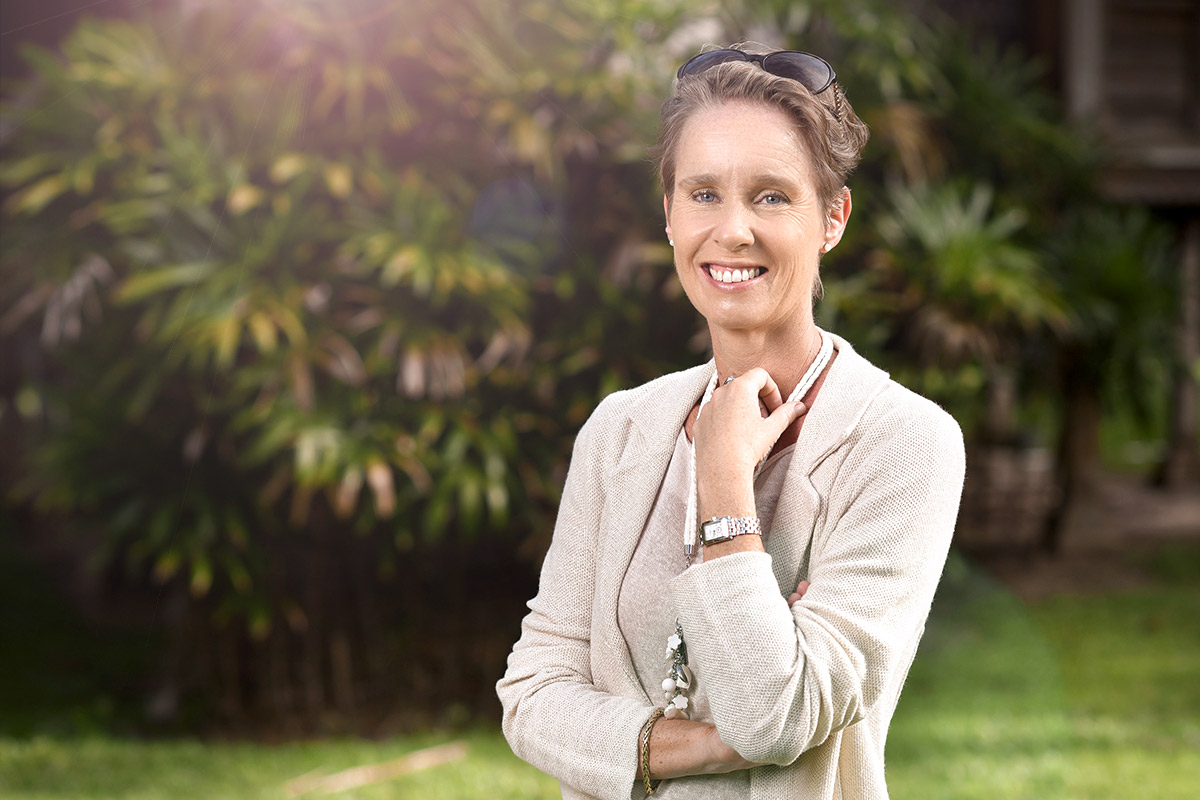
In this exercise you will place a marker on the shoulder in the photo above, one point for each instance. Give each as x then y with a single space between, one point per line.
652 408
874 408
904 447
899 411
905 444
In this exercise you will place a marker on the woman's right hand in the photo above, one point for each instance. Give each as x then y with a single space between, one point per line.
680 747
796 596
732 436
722 757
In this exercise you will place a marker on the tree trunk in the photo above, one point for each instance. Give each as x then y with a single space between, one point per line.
314 634
1078 454
1001 410
1181 466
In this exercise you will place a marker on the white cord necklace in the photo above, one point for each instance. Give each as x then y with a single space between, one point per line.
679 679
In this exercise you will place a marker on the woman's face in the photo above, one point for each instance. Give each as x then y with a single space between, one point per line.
747 223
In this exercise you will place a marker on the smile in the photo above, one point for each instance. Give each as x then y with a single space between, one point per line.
722 274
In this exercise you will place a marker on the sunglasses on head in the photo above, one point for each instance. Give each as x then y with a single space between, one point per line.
813 72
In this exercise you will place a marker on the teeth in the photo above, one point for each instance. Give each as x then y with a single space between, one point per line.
734 275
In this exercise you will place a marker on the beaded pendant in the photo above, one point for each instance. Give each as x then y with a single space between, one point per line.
679 679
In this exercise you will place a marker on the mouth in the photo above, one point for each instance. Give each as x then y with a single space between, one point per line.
730 275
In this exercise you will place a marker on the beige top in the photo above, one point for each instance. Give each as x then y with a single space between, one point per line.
866 514
646 616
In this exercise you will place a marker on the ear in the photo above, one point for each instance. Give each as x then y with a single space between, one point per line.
839 215
667 213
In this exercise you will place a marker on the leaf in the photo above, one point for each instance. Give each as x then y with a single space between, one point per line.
227 333
301 380
238 575
260 623
243 198
22 170
166 566
151 282
202 576
36 197
339 179
264 332
379 476
400 265
343 361
346 496
288 166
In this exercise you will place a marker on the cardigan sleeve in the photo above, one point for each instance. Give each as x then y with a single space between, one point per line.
554 717
780 681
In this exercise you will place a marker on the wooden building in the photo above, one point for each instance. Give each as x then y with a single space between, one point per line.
1132 68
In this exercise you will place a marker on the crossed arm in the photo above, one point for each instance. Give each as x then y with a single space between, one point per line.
681 747
730 439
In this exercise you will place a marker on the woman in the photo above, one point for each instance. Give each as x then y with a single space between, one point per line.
760 654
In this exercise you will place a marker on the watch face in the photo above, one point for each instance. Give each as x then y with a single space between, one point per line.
716 530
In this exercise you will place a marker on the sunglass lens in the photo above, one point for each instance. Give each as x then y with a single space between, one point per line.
709 60
815 73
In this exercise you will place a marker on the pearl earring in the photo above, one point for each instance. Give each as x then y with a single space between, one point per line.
670 241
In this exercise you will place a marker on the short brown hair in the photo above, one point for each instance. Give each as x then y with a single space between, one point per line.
826 123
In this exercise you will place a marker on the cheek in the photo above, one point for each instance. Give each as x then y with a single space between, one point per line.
681 269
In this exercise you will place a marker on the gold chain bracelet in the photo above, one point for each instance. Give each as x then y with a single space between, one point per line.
650 786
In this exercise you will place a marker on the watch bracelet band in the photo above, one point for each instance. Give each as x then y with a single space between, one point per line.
722 529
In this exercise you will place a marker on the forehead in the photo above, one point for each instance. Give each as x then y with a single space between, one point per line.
741 137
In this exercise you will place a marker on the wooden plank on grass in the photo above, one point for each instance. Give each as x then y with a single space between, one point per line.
374 773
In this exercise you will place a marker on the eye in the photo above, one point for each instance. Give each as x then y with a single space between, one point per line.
772 199
704 196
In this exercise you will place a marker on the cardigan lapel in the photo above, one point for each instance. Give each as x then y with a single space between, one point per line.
849 387
632 487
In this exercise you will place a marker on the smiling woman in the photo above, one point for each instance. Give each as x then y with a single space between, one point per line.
828 493
748 225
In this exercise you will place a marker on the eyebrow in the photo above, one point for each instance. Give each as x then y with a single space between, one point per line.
697 180
763 178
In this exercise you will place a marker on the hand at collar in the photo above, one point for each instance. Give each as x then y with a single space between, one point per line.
738 428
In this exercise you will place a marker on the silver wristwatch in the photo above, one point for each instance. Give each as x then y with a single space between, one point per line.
722 529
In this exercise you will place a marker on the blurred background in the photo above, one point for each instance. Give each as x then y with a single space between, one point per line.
302 303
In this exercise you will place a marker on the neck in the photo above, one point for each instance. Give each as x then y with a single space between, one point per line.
785 355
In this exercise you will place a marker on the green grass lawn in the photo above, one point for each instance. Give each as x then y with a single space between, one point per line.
45 768
1076 697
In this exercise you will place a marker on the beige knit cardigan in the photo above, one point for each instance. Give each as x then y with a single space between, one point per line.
866 514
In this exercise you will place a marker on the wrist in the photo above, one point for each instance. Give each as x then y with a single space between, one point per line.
728 499
721 757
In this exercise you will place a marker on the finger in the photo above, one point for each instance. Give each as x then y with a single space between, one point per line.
782 417
764 385
793 598
802 589
768 393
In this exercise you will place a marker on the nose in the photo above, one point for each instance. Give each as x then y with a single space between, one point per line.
733 229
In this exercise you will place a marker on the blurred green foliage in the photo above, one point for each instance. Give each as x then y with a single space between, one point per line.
300 292
299 289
